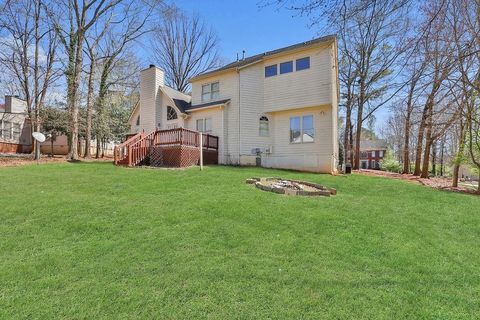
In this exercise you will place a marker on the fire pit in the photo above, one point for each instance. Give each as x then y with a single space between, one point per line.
291 187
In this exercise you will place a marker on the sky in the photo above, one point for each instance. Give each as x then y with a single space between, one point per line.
247 25
244 25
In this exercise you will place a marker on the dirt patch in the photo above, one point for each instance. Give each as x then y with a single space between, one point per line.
439 183
15 160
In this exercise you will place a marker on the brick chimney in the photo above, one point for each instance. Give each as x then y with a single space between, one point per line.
151 80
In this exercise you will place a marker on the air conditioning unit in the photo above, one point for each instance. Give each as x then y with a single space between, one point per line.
269 149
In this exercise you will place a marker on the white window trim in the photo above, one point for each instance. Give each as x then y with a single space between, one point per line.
210 84
301 129
260 121
203 125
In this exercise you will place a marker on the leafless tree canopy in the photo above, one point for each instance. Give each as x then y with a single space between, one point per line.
184 46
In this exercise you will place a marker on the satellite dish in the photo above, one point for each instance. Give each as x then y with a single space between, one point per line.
40 137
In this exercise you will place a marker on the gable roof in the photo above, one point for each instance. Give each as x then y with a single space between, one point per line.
261 56
378 144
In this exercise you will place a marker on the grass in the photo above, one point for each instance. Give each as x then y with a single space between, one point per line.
94 241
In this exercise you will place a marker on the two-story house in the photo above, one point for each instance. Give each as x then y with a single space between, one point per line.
15 127
277 109
371 153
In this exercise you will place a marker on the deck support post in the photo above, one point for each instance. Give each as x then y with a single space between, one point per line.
200 137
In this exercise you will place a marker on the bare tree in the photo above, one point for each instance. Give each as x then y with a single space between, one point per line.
183 47
73 20
28 52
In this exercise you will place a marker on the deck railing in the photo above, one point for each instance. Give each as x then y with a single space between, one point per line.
121 152
136 148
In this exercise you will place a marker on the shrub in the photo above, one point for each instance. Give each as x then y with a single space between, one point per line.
389 163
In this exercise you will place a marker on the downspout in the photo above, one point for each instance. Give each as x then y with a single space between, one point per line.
239 117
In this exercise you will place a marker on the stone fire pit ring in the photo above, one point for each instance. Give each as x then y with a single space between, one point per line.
291 187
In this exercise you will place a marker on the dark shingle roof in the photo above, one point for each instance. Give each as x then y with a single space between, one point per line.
208 104
260 56
378 144
181 105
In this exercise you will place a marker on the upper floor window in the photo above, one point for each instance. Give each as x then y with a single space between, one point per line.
286 67
263 127
138 120
171 113
270 71
204 125
210 91
301 129
303 63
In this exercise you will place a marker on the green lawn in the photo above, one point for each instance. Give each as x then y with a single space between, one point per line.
94 241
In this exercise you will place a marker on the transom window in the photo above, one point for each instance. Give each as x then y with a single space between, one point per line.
270 71
303 63
263 127
204 125
171 113
286 67
302 129
210 91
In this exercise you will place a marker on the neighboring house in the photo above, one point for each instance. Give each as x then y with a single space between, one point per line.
371 153
15 127
279 106
467 172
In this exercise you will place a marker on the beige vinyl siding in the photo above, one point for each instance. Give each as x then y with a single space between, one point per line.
216 114
150 99
314 156
229 89
133 121
251 109
169 124
297 89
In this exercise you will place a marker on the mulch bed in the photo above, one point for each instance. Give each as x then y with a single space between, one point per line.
439 183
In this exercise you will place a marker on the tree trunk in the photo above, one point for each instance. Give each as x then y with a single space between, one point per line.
434 158
426 153
74 84
458 157
442 149
358 134
406 141
348 127
90 99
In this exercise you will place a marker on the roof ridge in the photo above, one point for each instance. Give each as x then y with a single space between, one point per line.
258 57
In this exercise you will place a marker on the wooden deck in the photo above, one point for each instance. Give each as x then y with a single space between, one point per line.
177 147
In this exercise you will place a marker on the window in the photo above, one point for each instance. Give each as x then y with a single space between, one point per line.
263 127
302 64
380 153
301 129
204 125
138 120
210 91
17 131
270 71
1 128
171 113
7 130
286 67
